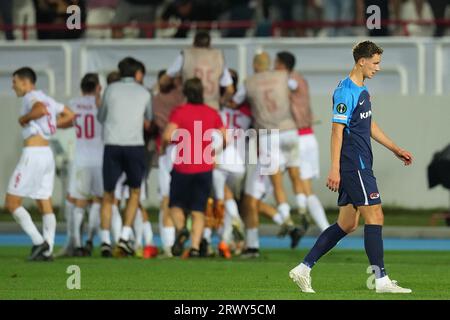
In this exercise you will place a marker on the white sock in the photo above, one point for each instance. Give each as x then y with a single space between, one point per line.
78 214
105 236
227 228
317 213
94 220
148 233
285 210
126 233
68 215
382 281
278 219
252 239
231 208
116 223
49 229
207 232
304 268
301 201
23 218
168 236
138 229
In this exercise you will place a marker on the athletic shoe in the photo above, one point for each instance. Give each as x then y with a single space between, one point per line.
224 250
391 287
191 253
238 230
38 250
304 221
79 252
88 248
167 252
301 277
178 246
296 234
66 251
250 253
238 247
44 258
106 250
125 249
150 252
206 249
139 253
287 226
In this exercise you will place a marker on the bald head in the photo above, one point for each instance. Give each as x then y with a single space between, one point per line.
261 62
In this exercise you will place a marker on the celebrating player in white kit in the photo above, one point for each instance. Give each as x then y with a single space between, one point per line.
86 181
308 146
230 170
33 176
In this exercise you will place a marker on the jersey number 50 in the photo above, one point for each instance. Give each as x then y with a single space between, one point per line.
88 126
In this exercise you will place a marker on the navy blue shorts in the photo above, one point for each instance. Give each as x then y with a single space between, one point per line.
358 188
118 159
190 191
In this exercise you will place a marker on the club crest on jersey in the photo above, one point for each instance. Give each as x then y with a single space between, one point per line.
374 195
341 108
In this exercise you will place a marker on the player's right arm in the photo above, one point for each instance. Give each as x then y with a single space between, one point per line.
37 111
334 176
173 71
342 110
65 118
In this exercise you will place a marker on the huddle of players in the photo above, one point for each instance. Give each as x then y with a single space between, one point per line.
270 99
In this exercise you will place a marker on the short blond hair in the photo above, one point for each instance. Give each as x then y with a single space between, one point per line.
261 61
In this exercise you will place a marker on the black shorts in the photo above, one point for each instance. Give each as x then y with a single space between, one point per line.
118 159
190 191
358 188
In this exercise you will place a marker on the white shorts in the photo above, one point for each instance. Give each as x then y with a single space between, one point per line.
232 159
257 185
85 182
222 178
122 191
275 155
34 175
309 156
165 165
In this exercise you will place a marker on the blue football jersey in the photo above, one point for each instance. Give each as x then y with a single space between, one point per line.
352 107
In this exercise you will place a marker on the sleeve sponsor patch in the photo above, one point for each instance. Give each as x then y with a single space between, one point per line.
340 117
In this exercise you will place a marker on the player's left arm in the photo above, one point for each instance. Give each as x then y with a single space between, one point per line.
379 136
37 111
65 118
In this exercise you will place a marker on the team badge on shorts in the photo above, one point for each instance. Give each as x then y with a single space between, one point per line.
374 195
341 108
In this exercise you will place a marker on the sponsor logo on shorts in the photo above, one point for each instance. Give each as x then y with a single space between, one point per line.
374 195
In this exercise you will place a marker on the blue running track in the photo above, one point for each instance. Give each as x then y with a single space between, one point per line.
352 243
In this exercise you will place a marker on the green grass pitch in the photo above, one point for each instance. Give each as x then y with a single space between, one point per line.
339 275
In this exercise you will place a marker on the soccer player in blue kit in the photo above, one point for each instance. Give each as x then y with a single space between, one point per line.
351 172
